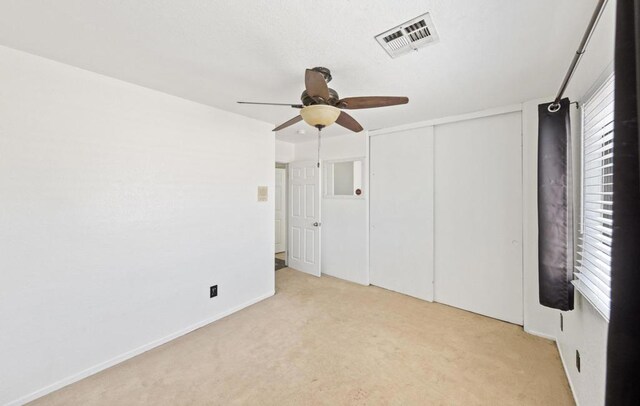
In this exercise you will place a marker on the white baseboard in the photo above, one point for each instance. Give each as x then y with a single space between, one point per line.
130 354
536 333
566 372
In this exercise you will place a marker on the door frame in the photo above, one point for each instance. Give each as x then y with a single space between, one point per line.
285 166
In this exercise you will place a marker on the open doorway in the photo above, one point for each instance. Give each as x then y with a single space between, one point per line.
280 216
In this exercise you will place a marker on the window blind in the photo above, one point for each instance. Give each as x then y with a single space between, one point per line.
593 265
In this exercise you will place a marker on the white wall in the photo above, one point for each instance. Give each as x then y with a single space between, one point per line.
119 207
345 244
285 151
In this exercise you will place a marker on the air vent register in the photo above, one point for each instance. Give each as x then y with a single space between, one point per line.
407 37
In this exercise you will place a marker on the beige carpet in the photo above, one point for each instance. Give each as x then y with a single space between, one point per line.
323 341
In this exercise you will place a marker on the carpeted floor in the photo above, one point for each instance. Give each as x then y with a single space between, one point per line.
323 341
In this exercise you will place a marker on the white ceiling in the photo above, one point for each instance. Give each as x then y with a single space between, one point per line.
491 52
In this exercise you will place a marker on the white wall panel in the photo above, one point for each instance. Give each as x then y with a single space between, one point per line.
285 151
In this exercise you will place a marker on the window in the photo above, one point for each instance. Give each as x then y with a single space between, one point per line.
343 178
594 249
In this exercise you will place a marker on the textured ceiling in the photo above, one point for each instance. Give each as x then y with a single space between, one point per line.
491 52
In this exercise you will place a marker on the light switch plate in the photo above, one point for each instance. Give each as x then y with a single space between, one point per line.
263 193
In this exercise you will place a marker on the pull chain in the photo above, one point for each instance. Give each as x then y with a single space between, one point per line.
319 132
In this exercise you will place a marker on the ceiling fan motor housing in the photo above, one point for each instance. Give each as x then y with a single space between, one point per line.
308 100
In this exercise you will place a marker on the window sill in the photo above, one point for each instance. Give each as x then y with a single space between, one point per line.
343 197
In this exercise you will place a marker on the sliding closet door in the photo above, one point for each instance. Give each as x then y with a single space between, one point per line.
478 211
401 212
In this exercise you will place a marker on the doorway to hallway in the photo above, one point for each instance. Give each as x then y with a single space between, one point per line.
280 195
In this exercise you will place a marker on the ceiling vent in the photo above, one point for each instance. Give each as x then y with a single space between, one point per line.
415 33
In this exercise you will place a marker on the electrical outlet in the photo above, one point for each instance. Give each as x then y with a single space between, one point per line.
561 322
213 291
578 360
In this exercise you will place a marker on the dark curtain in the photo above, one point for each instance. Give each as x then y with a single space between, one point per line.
623 353
555 221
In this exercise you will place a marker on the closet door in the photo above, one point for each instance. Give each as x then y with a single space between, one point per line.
401 212
478 211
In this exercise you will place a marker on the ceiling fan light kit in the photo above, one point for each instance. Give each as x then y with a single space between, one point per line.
320 115
321 106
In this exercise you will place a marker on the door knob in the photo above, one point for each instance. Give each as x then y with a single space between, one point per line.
316 224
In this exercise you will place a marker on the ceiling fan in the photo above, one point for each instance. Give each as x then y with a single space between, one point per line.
321 106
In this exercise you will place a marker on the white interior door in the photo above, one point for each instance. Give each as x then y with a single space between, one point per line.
280 203
478 211
401 212
304 217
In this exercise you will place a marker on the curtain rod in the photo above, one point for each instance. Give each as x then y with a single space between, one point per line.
555 106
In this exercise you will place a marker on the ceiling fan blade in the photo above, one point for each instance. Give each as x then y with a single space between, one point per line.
348 122
288 123
316 85
368 102
295 106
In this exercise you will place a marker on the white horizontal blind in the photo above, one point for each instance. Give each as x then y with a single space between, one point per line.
594 255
